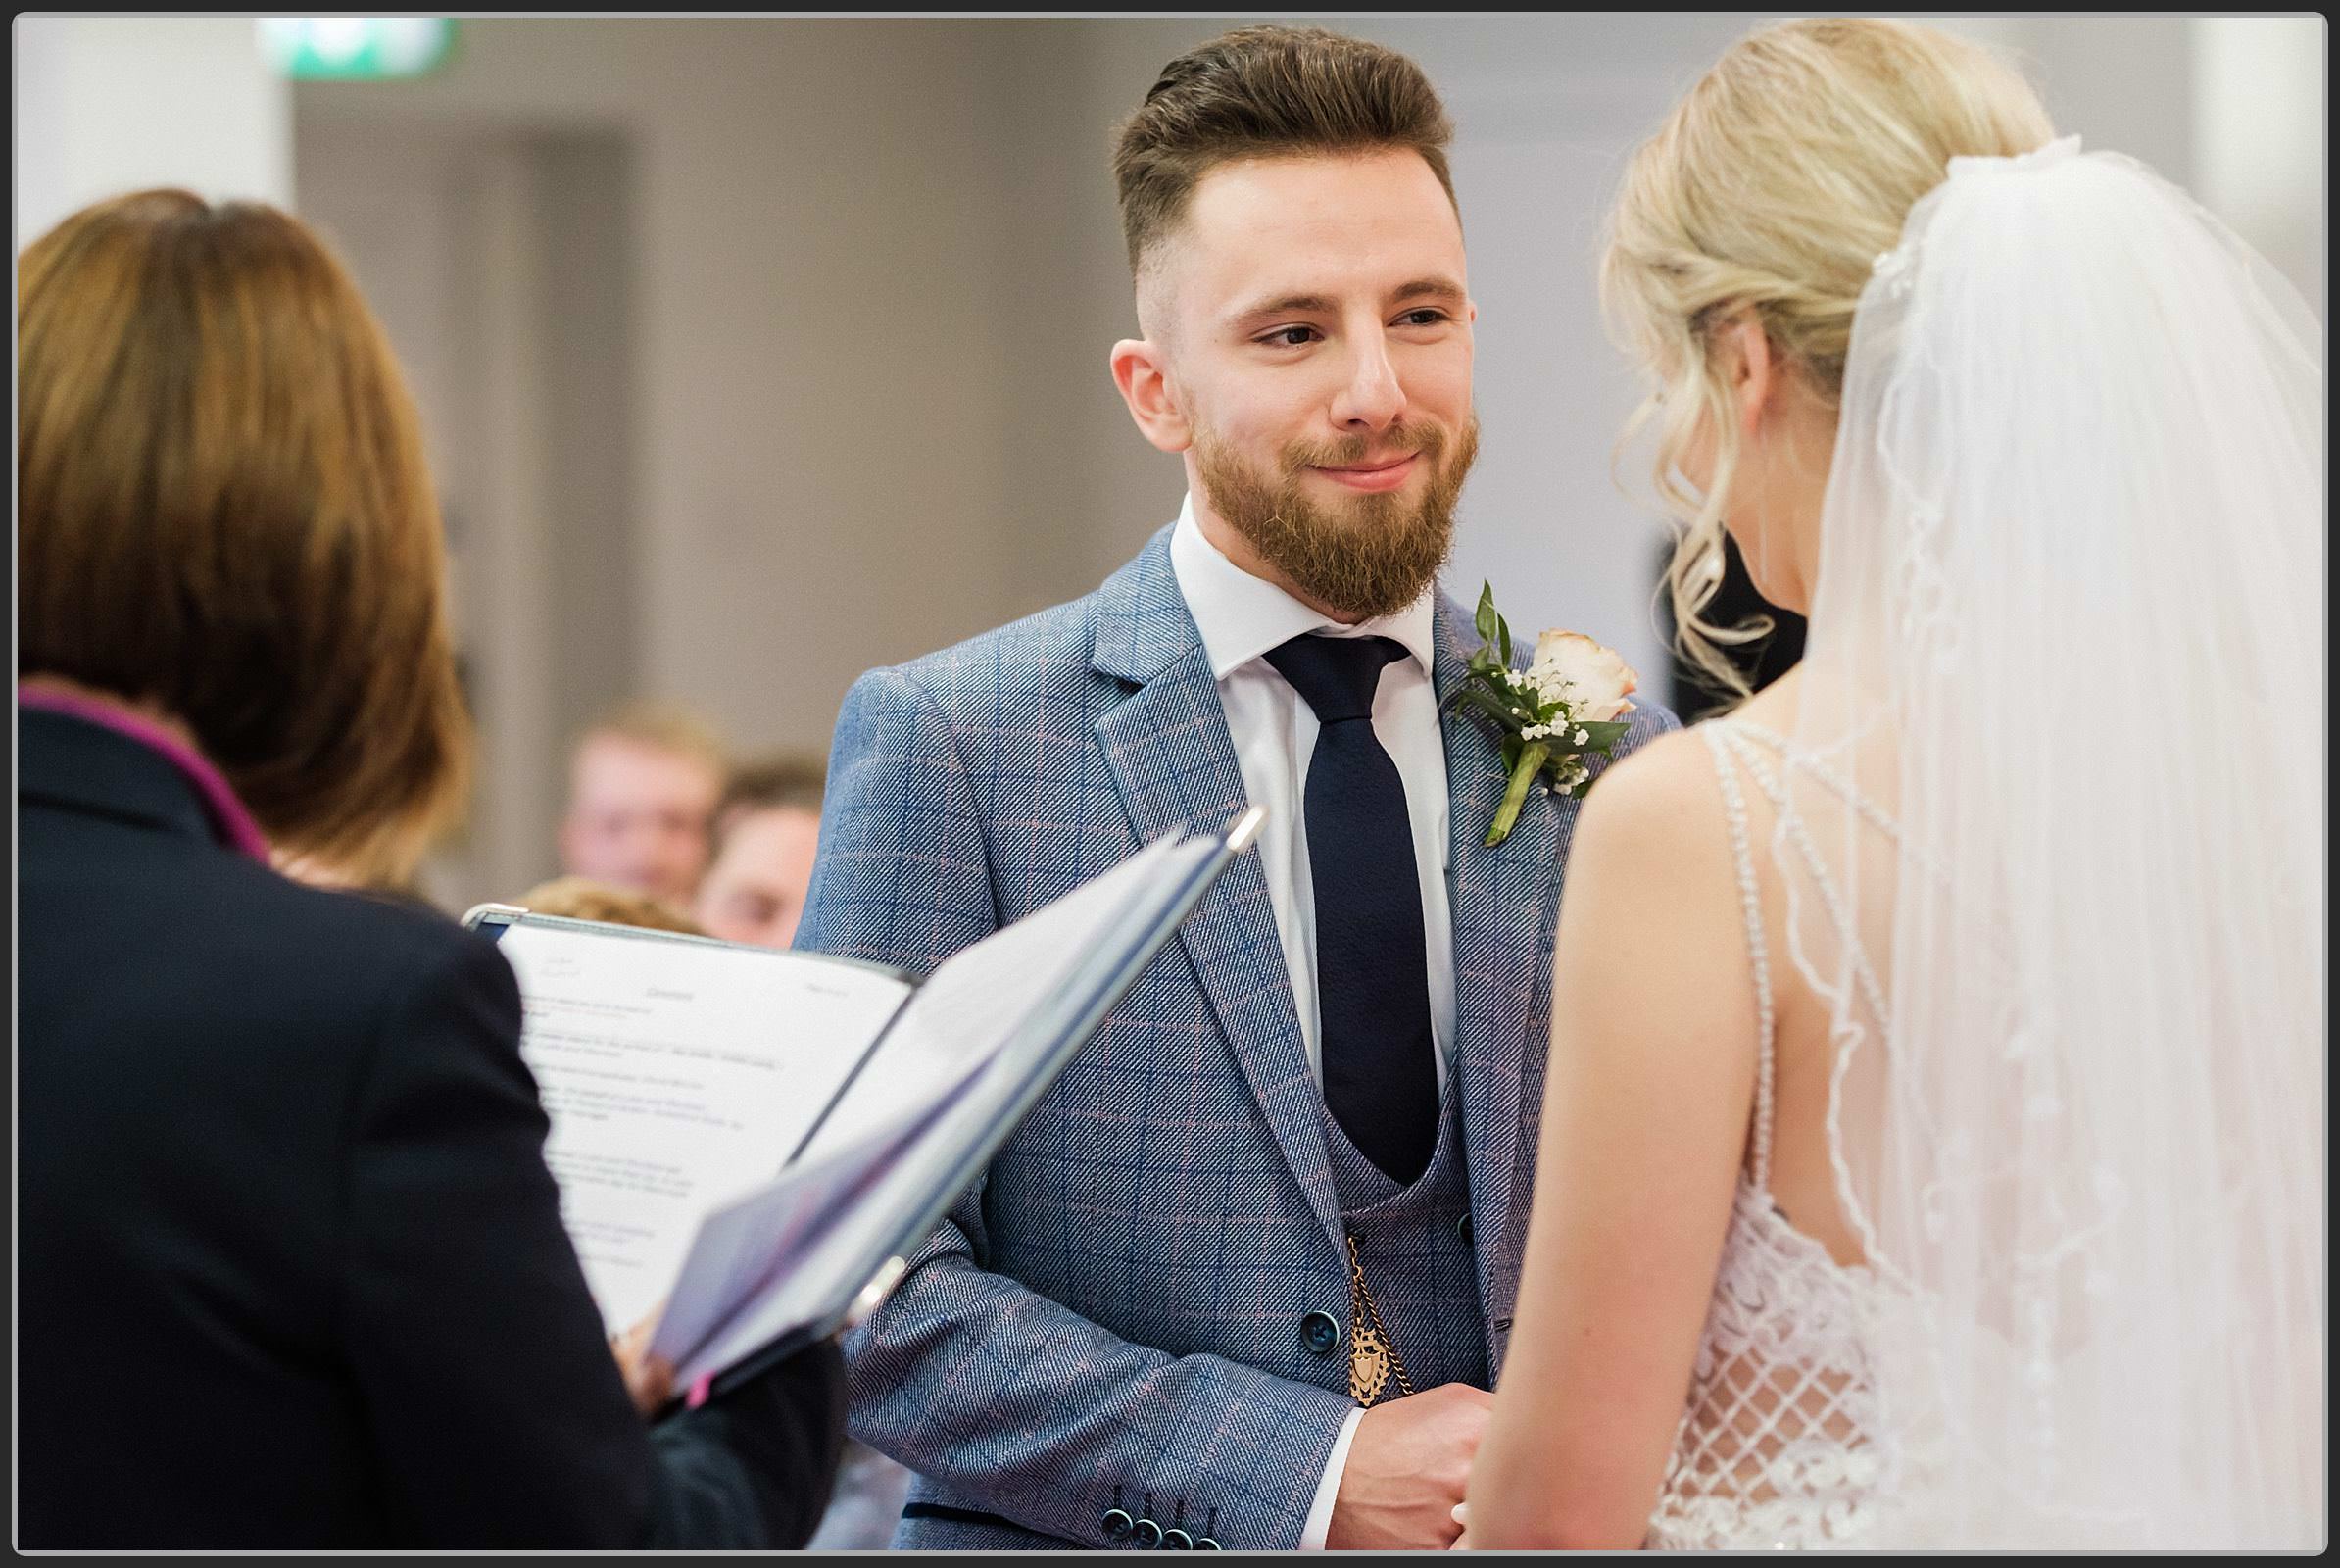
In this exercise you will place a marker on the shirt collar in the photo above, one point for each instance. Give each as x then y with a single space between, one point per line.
1241 617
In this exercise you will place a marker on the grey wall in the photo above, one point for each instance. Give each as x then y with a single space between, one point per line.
791 358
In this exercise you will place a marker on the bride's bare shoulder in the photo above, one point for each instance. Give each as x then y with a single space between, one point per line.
1659 811
1666 794
1657 779
1650 919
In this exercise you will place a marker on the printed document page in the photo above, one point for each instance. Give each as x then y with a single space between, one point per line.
974 1003
766 1262
972 1041
676 1075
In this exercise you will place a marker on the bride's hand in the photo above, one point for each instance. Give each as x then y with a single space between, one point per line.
1462 1542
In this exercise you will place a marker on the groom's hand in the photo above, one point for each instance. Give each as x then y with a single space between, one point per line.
1407 1467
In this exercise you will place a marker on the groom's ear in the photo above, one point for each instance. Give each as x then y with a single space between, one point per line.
1142 375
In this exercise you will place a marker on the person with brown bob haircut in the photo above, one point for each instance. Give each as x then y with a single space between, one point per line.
292 1272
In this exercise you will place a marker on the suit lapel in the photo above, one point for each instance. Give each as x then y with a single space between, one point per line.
1174 763
1503 900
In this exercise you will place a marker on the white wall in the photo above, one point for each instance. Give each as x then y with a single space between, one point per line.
1547 109
2259 137
111 104
867 273
864 275
876 267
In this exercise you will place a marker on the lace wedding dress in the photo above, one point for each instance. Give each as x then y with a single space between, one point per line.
1781 1443
2068 628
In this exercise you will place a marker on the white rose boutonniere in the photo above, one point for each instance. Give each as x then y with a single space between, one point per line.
1592 680
1568 706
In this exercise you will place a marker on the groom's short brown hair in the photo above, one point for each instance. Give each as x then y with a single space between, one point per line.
1267 91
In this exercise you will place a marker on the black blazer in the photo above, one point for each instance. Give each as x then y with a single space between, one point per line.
291 1271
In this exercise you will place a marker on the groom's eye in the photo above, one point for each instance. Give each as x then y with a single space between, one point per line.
1427 316
1291 337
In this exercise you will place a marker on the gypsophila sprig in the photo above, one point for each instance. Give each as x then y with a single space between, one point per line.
1549 720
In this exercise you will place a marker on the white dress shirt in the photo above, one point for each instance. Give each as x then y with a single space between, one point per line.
1241 617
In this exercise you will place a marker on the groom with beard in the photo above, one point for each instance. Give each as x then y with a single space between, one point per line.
1243 1276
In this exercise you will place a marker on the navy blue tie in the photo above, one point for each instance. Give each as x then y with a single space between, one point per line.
1372 969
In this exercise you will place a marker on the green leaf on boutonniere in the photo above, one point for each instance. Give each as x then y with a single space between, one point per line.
1472 695
1598 737
1535 732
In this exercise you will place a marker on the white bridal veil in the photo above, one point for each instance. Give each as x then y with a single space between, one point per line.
2054 840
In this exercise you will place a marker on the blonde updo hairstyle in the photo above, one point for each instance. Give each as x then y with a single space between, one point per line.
1769 192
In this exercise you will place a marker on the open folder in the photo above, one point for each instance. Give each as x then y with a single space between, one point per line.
749 1142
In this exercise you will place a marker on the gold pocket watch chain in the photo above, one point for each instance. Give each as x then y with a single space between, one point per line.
1372 1359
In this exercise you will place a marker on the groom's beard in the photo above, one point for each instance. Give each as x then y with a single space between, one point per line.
1365 555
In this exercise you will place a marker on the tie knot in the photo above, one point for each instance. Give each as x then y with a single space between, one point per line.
1336 677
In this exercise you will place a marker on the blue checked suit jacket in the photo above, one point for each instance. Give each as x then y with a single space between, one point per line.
1112 1319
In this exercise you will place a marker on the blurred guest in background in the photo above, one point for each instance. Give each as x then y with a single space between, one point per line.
643 782
292 1272
766 827
580 898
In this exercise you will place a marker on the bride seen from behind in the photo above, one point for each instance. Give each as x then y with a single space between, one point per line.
1964 1188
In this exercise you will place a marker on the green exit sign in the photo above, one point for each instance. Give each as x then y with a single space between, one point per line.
355 48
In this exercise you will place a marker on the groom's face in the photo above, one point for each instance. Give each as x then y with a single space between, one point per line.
1314 329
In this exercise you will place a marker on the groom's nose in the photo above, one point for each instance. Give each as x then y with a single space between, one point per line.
1371 397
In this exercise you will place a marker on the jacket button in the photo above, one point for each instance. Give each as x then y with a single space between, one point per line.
1462 1228
1177 1541
1116 1523
1147 1534
1320 1331
1205 1544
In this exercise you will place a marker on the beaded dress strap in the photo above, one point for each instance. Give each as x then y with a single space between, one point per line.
1742 729
1740 736
1734 810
